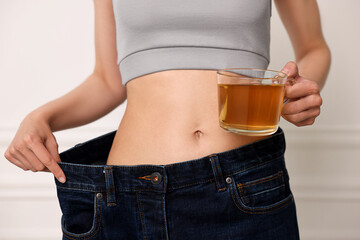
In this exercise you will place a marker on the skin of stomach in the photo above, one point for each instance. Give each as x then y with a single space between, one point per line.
172 116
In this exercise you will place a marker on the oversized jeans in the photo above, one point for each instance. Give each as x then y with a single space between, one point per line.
243 193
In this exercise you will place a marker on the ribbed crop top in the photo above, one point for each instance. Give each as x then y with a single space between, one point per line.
158 35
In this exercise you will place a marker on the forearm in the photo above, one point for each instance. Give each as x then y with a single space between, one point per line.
88 102
315 65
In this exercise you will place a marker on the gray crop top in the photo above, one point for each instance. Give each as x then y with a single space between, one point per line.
157 35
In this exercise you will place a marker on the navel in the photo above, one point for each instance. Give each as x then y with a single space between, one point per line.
198 134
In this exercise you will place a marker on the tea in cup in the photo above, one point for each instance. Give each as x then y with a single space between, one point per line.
250 100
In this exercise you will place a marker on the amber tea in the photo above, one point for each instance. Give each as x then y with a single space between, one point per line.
250 107
250 103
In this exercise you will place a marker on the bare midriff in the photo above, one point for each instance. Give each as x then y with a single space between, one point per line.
172 116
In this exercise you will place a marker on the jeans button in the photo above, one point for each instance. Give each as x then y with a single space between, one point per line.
99 195
156 178
228 180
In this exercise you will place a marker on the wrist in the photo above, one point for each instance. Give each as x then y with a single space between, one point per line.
40 115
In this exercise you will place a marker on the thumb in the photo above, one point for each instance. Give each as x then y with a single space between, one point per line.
291 69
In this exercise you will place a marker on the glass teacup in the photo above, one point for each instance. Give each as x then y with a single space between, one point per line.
250 100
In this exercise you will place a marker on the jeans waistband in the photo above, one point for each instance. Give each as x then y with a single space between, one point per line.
85 166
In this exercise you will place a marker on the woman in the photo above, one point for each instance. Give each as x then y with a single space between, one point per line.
170 171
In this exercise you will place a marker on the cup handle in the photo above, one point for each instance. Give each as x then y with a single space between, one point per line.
291 82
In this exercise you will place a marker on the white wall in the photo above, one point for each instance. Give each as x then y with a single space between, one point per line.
324 159
47 49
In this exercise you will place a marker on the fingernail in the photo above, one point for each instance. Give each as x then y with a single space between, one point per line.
62 179
285 70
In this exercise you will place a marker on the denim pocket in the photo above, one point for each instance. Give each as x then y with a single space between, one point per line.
81 213
262 190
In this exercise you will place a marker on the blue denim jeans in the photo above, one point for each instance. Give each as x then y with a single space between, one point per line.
243 193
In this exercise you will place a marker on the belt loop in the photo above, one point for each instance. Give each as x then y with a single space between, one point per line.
110 187
219 179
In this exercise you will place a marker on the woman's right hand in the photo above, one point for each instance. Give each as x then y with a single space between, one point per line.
35 148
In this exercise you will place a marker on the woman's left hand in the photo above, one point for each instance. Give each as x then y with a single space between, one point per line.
304 98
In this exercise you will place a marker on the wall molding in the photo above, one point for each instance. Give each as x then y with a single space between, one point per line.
329 234
324 137
67 137
33 233
346 191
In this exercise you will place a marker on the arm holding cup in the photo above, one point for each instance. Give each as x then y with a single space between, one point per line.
302 22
